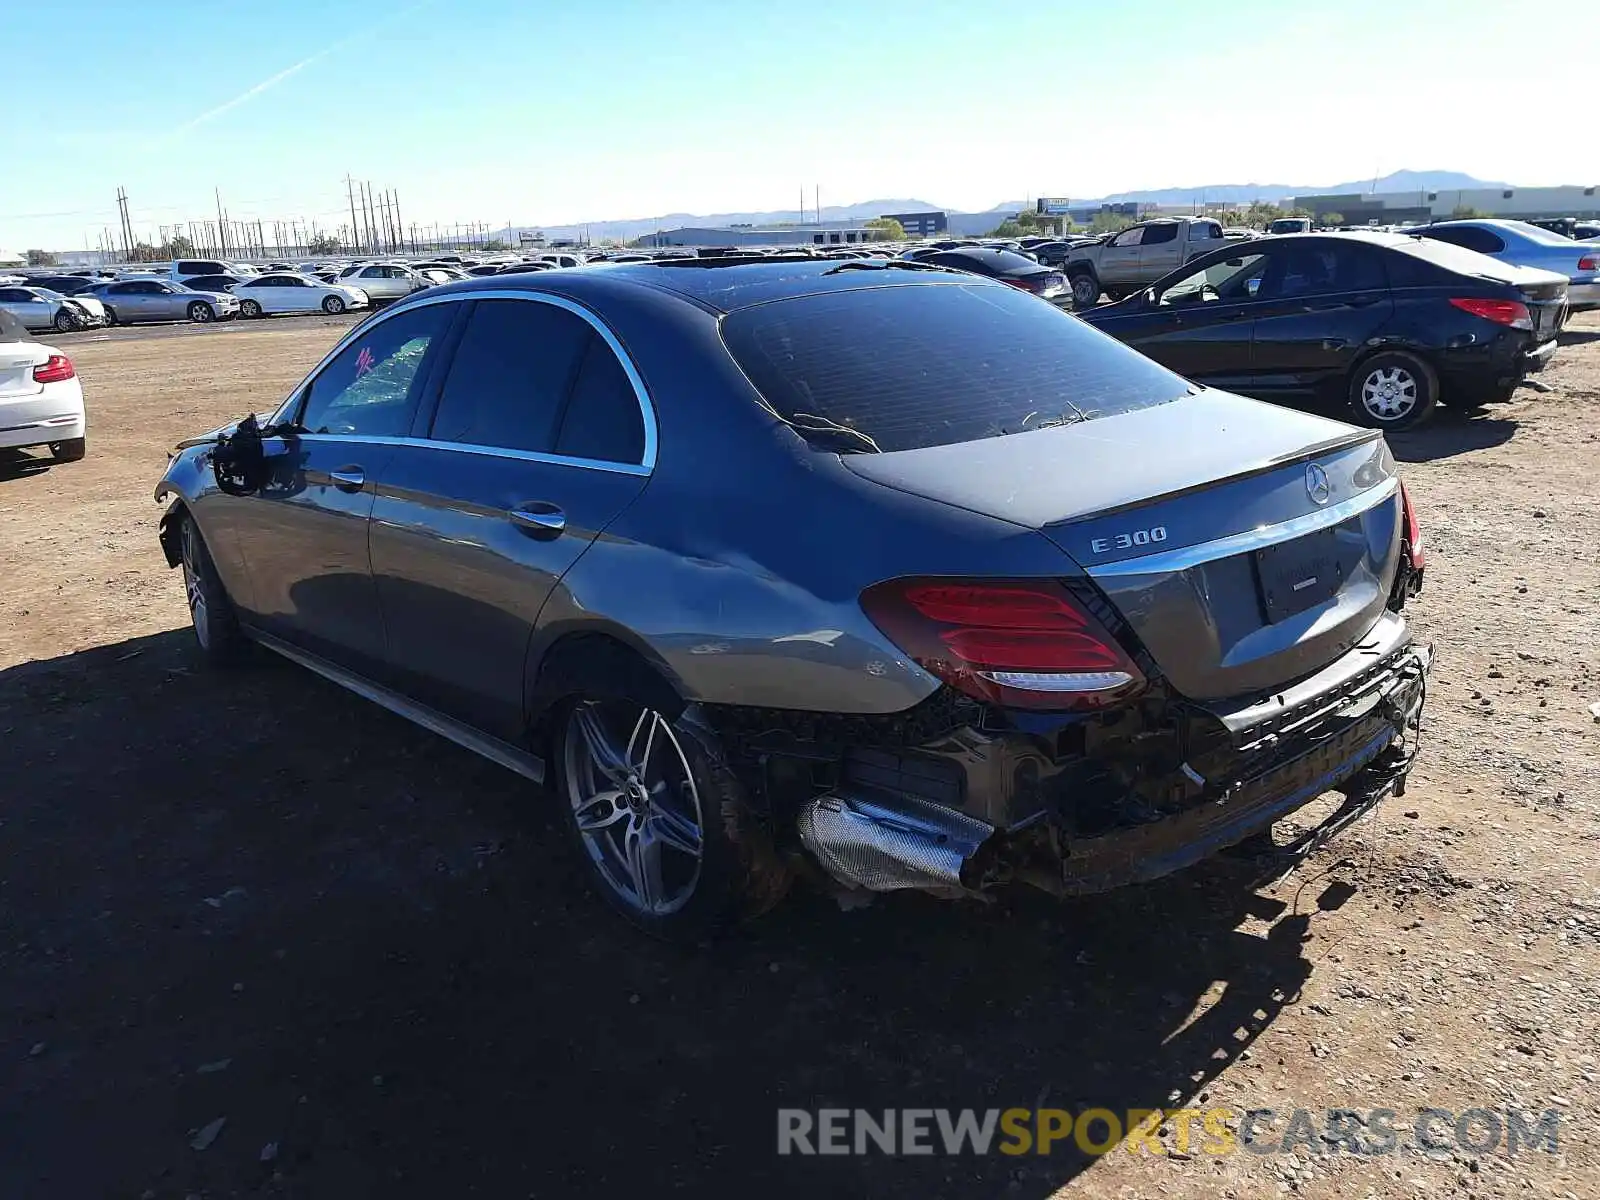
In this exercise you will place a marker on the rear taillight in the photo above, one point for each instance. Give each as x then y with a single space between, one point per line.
54 369
1413 530
1021 643
1589 263
1026 283
1502 312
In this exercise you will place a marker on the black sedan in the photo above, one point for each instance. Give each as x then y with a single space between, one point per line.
1388 324
1007 266
214 283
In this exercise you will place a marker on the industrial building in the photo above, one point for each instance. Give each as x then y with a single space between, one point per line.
1394 208
751 235
921 224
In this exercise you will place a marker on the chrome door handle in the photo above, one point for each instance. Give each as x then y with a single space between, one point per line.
348 479
547 521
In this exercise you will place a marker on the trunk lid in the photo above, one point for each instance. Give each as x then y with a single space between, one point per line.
1246 545
1547 304
17 361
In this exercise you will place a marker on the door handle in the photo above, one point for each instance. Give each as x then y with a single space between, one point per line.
348 479
543 521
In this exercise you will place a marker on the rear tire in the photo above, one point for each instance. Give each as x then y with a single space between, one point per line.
211 613
200 312
1085 288
1393 390
660 819
71 450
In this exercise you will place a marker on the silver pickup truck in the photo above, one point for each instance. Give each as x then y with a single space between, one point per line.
1137 257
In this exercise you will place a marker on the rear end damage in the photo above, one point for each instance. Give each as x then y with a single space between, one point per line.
1062 752
958 797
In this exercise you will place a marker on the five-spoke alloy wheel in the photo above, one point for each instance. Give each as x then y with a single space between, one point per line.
635 804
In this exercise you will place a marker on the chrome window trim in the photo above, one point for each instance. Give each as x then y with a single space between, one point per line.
590 464
1181 559
647 412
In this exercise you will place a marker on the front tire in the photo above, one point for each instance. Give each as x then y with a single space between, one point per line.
200 312
333 306
111 316
65 322
1393 390
660 819
249 309
71 450
211 613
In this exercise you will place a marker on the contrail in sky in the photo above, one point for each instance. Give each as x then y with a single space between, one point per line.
273 81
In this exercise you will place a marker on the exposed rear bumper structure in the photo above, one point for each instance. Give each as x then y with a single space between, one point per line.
1352 728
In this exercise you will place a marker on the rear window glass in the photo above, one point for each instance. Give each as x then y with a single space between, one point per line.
1451 258
927 365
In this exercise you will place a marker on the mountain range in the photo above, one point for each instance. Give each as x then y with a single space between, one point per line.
626 229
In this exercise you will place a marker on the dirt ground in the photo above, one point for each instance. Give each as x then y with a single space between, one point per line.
255 899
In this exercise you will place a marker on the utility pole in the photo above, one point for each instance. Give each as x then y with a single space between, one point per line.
817 203
222 233
351 196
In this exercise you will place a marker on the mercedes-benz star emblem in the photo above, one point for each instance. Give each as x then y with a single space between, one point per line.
1317 485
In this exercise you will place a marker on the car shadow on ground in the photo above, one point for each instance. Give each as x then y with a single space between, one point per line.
255 897
18 464
1579 337
1451 432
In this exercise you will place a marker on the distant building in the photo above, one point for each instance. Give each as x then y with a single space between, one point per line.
1394 208
749 235
1084 214
921 224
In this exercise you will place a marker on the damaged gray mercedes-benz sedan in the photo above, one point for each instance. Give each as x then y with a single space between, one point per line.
892 574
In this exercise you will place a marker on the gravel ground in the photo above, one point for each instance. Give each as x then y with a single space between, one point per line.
260 938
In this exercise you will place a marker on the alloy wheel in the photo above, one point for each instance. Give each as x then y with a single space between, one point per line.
635 804
193 586
1389 393
199 313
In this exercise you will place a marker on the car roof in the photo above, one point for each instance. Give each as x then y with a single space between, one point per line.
717 286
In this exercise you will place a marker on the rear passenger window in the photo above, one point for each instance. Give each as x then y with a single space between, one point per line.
511 372
370 388
1156 234
603 420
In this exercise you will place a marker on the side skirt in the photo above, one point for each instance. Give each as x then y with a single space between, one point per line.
511 757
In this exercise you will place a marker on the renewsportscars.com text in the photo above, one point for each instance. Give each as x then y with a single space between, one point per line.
1262 1131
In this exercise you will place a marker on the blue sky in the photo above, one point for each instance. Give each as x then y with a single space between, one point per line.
545 112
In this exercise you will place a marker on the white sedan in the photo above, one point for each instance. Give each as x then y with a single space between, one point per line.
284 292
41 401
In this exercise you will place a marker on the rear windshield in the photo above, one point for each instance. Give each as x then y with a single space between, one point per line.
927 365
1452 257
